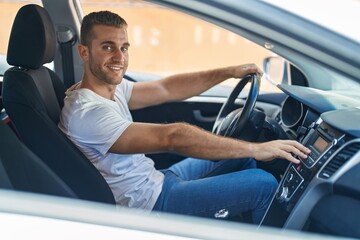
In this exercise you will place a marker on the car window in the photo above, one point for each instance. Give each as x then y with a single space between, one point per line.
165 42
3 64
346 11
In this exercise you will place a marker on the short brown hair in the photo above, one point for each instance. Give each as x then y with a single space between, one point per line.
106 18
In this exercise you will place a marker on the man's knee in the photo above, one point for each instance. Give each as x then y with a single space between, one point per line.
267 180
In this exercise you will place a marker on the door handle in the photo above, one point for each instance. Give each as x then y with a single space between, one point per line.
201 118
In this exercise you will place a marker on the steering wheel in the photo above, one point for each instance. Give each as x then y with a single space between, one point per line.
230 122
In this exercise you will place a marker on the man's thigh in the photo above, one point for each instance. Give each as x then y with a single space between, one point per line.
192 168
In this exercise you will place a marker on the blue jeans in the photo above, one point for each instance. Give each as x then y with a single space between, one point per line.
203 188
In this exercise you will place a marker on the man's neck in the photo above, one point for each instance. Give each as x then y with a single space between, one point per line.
104 90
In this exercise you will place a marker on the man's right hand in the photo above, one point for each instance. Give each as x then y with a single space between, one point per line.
279 149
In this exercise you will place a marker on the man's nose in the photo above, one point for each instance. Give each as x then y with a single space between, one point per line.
119 55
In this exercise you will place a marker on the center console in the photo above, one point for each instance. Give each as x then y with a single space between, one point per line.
323 141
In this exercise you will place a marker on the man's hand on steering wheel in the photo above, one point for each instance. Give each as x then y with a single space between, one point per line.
246 69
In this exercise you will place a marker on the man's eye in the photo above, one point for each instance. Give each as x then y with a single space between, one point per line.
108 48
124 49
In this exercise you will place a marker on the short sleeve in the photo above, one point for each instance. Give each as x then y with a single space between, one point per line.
98 127
125 88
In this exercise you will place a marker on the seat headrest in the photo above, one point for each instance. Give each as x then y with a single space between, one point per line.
32 40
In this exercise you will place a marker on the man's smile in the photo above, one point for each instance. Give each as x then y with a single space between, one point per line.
115 67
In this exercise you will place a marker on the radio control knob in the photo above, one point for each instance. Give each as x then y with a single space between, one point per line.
289 177
282 194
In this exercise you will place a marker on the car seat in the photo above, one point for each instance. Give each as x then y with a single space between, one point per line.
33 97
20 169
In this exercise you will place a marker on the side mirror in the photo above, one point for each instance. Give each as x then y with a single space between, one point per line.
276 70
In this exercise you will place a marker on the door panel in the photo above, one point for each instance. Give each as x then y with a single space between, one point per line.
201 114
199 111
177 112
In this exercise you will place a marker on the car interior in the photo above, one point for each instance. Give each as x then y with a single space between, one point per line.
319 195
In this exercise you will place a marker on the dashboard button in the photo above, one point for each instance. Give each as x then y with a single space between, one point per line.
289 177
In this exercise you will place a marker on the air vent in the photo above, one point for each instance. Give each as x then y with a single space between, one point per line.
339 160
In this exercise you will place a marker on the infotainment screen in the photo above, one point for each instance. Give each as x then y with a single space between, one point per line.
320 144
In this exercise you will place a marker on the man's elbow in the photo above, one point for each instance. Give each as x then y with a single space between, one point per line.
177 136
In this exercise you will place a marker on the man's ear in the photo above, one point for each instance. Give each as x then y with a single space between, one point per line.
83 52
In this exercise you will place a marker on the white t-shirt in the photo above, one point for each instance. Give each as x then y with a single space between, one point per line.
93 123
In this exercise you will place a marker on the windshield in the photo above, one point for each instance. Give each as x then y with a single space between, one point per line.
339 16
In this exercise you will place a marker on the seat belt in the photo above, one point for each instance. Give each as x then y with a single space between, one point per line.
66 40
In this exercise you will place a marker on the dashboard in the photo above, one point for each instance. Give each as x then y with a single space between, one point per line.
304 105
332 132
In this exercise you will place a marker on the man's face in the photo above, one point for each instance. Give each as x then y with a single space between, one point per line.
108 57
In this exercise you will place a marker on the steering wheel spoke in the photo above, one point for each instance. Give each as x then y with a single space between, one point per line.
230 122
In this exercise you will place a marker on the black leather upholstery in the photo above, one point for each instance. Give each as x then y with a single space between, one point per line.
33 97
22 170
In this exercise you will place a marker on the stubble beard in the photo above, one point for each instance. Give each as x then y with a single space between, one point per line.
97 71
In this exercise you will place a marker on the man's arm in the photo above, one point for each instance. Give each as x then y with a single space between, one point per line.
191 141
182 86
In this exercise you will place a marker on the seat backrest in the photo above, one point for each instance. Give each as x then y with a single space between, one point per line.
20 169
33 97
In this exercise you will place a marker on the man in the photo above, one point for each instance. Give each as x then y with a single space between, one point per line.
97 119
